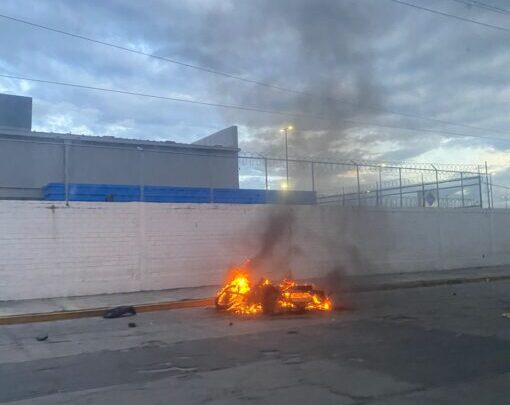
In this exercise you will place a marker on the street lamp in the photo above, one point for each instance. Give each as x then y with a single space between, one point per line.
285 131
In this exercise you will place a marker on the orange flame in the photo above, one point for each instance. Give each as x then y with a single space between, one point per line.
241 296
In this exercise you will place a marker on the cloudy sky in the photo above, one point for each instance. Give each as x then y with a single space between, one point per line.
349 64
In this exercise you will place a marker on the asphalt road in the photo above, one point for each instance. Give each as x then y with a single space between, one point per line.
435 345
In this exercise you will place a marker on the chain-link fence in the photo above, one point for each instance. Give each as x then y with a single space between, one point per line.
61 167
462 192
370 184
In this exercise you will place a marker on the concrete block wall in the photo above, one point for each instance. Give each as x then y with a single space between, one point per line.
50 249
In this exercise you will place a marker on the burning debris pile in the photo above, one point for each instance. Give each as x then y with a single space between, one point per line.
241 296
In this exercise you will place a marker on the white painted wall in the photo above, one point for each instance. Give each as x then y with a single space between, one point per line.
95 248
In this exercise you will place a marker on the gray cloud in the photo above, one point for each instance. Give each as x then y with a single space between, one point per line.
375 55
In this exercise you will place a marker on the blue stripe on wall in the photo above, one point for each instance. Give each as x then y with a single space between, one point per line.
126 193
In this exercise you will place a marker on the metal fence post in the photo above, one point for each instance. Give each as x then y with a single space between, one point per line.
487 183
437 187
492 196
66 170
480 186
422 192
400 185
210 164
376 194
462 187
141 174
265 172
379 194
359 191
437 191
313 178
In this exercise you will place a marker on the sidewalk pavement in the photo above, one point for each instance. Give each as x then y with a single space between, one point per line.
359 283
428 278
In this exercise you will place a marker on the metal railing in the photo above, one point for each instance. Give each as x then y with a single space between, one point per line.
462 192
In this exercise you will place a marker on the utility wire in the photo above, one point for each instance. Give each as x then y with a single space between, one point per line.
243 79
456 17
136 51
500 186
484 6
490 6
248 108
134 93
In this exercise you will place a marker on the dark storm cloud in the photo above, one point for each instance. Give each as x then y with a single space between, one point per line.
374 55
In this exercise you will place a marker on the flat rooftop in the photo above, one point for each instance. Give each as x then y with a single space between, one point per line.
111 140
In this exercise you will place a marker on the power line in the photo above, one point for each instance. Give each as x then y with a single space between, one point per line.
456 17
483 6
240 78
500 186
248 108
150 55
133 93
490 6
444 122
124 48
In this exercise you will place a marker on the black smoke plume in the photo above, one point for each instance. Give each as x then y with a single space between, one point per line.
275 241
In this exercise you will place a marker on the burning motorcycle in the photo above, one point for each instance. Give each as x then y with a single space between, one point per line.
241 296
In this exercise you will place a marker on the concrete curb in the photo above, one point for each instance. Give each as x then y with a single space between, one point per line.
203 302
93 312
427 283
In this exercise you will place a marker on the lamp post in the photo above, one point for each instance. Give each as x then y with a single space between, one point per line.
285 131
